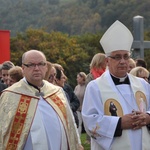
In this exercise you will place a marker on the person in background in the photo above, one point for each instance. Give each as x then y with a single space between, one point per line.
5 67
59 67
140 72
15 74
140 62
97 67
49 67
127 129
79 92
60 80
132 64
74 101
51 73
35 114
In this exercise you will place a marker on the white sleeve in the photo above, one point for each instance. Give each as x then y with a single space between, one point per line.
99 126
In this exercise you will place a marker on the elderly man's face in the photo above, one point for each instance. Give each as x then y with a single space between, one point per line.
118 63
34 67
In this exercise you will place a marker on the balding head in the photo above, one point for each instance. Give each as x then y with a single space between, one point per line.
31 52
34 66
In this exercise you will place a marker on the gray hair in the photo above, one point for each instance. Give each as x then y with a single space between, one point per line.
7 65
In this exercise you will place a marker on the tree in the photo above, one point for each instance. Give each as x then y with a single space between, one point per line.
58 48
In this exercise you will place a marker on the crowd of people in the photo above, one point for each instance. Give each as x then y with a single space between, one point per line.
36 114
111 103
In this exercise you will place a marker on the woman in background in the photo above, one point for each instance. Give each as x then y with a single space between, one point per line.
97 67
15 74
140 72
79 91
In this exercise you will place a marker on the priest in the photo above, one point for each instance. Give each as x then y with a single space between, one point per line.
128 127
34 114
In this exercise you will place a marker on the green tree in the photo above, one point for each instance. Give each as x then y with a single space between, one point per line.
58 48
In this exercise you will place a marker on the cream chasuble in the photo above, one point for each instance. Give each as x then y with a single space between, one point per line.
19 107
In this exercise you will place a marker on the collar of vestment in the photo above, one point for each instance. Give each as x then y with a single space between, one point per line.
117 81
37 93
26 89
33 86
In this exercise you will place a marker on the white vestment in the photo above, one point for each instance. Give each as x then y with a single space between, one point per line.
101 127
46 121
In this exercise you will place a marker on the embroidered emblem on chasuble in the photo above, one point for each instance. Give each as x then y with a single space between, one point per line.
18 122
60 104
113 108
94 133
141 101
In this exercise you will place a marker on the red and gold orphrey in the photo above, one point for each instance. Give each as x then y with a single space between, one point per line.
60 104
18 122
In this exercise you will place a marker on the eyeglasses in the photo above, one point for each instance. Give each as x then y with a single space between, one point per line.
119 57
40 65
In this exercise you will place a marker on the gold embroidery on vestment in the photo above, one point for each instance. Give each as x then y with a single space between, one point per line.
18 122
61 106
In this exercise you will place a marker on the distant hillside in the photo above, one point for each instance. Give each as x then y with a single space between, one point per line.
74 17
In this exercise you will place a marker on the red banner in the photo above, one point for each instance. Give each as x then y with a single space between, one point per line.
4 45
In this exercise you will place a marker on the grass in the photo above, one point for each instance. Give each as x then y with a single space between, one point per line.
83 141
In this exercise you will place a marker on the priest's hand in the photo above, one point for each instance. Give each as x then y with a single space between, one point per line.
140 119
127 121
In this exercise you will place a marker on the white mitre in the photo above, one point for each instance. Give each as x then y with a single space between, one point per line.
117 37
